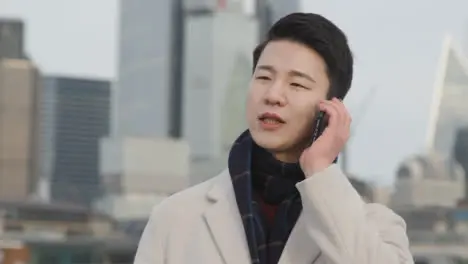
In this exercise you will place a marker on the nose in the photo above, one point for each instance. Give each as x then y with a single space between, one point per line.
274 94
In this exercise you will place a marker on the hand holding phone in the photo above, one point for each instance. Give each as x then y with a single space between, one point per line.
320 124
331 132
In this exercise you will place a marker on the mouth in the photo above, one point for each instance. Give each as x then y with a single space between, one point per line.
271 119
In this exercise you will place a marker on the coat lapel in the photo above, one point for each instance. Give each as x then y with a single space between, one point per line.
300 248
223 220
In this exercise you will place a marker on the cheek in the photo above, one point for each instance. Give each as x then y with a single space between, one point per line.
250 106
252 100
304 123
304 118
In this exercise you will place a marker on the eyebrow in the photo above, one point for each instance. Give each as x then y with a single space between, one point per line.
292 72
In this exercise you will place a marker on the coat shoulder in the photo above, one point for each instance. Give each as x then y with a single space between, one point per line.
384 214
190 201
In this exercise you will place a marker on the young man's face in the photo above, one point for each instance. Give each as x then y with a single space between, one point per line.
289 81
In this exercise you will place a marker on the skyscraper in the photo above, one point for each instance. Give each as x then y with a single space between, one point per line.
449 108
76 115
217 74
19 97
147 112
19 87
11 39
148 90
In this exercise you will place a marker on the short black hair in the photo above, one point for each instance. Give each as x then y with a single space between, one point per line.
321 35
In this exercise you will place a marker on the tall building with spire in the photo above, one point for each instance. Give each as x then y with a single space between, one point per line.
449 110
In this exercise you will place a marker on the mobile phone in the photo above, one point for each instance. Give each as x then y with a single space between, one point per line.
320 123
319 126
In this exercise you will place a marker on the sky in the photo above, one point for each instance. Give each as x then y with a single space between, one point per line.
396 45
69 37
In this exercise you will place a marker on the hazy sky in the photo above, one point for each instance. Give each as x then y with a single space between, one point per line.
396 44
73 37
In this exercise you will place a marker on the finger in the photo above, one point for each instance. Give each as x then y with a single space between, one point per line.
344 130
341 110
344 113
340 130
339 113
342 106
332 113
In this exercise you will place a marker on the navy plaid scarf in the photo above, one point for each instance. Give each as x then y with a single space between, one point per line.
255 171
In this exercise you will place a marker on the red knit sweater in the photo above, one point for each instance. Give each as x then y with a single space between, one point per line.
267 209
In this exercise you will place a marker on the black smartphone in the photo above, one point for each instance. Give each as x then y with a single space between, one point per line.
320 123
319 126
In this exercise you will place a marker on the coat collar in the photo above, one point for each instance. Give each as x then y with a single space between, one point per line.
224 223
223 220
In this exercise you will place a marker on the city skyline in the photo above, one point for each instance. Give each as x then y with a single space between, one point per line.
373 43
73 190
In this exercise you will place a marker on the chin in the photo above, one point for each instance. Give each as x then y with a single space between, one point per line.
271 142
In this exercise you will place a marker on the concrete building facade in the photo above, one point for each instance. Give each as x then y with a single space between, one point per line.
428 181
137 173
19 90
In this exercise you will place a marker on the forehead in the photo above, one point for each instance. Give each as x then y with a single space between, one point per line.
286 56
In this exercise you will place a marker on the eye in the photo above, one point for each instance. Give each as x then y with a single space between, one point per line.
297 85
265 78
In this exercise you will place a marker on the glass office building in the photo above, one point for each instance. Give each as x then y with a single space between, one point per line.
143 91
75 115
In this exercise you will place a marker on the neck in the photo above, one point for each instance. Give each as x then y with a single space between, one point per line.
291 155
288 157
281 174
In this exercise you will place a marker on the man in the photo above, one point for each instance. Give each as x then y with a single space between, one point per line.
282 200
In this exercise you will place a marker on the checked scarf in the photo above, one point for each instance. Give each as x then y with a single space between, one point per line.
255 171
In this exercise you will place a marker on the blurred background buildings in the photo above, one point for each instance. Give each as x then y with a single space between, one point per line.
84 159
20 84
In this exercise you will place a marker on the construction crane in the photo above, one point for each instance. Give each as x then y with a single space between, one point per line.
364 106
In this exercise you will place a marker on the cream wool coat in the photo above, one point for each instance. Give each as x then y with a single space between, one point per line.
202 225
